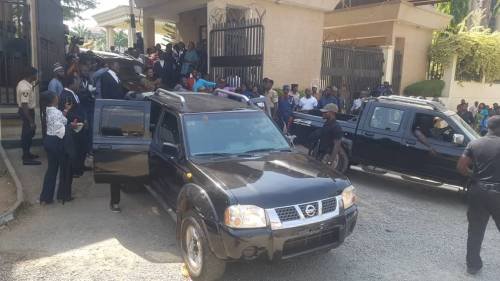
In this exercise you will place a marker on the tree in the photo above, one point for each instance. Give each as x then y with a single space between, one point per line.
459 9
121 40
81 31
170 32
73 8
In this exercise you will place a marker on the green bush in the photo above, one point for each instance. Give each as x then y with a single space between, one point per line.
426 88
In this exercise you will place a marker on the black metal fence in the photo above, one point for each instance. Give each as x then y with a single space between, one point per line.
14 47
356 68
435 71
237 49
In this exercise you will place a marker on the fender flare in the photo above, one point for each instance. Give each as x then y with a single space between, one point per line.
193 197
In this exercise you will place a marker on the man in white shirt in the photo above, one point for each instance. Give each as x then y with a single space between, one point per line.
295 93
26 101
473 108
308 102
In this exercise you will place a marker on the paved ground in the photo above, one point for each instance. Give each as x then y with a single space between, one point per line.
7 189
405 231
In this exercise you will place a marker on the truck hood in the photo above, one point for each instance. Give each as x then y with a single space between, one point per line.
274 180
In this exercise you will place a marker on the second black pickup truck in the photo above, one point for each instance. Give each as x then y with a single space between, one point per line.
384 136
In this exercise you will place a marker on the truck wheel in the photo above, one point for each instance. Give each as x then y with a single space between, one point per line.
201 263
340 164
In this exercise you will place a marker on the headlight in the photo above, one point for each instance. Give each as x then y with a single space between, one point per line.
348 197
245 216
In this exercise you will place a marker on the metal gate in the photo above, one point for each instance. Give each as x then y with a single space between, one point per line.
356 68
14 47
397 72
237 49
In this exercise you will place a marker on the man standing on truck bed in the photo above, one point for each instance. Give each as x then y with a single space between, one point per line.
484 195
330 135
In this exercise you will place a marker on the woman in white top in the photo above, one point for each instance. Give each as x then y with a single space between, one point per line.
53 143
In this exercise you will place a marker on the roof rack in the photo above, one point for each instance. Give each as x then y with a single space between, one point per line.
233 94
171 95
411 100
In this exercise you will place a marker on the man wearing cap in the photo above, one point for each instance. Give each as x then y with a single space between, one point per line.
55 85
483 156
330 135
27 101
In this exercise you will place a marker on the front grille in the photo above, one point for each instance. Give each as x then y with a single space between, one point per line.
313 211
302 244
329 205
287 214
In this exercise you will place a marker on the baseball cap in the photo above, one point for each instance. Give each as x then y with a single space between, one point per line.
331 107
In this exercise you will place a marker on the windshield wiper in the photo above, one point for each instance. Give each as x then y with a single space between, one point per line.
213 154
267 150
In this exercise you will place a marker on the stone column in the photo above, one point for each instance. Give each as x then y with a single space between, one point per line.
388 63
110 37
148 32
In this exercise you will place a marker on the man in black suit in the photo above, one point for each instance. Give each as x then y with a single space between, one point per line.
166 70
111 85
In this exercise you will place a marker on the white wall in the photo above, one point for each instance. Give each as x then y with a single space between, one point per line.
471 92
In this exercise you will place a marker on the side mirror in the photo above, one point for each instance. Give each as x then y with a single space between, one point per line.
458 139
170 150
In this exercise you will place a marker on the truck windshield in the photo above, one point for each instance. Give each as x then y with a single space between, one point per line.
468 131
232 133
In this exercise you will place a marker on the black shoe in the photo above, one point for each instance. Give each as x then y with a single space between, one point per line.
115 208
33 156
31 162
66 200
473 270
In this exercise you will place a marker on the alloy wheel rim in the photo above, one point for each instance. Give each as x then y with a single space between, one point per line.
194 250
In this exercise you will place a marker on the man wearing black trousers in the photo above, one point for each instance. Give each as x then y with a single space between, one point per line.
483 155
27 101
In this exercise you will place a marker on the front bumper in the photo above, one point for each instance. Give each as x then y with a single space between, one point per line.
289 242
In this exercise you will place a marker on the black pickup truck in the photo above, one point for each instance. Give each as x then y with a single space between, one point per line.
239 189
383 136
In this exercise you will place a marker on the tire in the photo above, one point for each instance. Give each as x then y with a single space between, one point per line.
201 263
342 163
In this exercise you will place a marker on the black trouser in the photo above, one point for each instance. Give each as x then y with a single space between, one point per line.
65 179
80 146
483 203
27 132
54 147
115 193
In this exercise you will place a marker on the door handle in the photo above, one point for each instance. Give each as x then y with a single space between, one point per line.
368 134
411 142
104 146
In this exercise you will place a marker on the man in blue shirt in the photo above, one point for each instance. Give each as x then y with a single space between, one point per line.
55 85
328 98
286 105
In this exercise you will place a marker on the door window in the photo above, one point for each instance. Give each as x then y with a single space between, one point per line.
433 127
169 130
122 121
387 119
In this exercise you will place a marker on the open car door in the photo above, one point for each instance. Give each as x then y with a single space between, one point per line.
121 140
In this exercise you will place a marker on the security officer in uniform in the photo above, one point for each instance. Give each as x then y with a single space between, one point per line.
483 155
329 136
27 101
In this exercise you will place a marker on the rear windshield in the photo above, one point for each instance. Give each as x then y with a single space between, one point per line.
232 133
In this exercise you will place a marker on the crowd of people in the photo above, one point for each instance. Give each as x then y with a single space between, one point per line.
477 114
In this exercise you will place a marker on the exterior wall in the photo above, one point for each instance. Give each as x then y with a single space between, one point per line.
189 24
416 45
292 42
471 92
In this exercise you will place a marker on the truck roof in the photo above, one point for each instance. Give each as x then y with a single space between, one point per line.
191 102
408 101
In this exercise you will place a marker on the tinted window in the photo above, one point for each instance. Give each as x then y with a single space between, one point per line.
169 130
433 127
232 133
388 119
122 121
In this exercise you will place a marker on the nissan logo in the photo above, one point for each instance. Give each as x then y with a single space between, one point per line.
310 210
